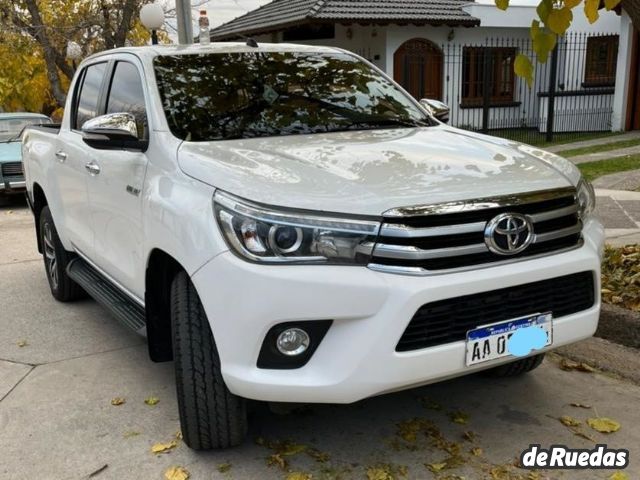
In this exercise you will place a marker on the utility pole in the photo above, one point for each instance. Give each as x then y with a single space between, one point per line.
185 26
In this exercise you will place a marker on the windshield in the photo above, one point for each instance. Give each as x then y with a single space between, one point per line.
10 128
246 95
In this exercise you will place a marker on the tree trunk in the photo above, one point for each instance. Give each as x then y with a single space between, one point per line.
50 55
632 7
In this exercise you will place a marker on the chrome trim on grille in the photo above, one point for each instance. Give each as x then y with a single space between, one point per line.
565 232
553 214
405 231
414 253
436 239
421 272
479 204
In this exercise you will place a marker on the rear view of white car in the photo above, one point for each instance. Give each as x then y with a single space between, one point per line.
287 224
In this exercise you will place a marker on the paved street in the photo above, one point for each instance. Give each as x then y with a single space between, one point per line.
57 421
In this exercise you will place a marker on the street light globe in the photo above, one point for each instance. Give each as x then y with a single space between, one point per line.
152 16
74 51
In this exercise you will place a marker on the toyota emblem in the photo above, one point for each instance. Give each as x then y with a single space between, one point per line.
509 234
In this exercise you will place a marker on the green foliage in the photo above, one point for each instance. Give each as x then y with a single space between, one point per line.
554 19
621 276
593 170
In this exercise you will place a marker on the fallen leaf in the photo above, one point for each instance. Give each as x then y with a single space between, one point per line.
290 449
22 343
603 424
299 476
317 455
581 434
459 417
618 476
224 467
569 421
436 467
570 365
277 460
163 447
177 473
469 436
476 452
580 405
151 401
386 471
130 434
179 435
118 401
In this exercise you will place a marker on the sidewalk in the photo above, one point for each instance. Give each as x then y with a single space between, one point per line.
620 213
597 141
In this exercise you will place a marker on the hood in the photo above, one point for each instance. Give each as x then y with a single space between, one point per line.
370 172
10 152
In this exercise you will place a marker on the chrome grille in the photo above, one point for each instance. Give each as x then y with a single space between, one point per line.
445 237
12 169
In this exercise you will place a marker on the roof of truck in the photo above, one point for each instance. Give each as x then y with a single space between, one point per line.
5 116
214 47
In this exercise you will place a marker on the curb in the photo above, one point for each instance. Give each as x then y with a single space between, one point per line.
619 325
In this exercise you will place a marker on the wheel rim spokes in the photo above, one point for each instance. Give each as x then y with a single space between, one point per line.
50 255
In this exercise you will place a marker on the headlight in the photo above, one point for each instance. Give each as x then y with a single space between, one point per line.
586 198
268 235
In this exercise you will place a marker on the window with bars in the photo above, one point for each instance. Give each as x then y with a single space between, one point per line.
602 60
501 77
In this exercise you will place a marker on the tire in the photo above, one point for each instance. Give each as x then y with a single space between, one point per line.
519 367
211 416
56 259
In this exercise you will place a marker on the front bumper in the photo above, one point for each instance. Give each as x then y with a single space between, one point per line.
371 310
12 186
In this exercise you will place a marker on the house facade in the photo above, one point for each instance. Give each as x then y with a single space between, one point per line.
462 53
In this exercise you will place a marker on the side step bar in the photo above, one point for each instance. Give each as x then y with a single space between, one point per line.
108 295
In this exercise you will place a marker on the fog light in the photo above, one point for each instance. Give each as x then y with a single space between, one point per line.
292 342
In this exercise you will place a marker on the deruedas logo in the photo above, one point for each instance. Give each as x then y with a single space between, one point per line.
562 457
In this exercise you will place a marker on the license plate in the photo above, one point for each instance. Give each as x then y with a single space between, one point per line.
490 342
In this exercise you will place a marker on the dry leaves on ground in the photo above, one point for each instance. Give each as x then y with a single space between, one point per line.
164 447
387 472
22 343
581 405
299 476
117 401
177 473
569 421
151 401
603 424
459 417
224 467
621 276
570 365
618 476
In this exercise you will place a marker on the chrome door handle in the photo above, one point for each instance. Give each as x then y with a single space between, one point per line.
61 156
92 168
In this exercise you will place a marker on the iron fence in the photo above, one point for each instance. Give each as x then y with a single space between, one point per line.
572 93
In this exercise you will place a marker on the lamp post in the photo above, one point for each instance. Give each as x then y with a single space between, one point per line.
185 27
152 17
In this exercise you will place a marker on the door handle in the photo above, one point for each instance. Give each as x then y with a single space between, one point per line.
92 168
61 156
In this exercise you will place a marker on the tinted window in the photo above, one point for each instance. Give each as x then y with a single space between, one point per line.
126 95
246 95
90 93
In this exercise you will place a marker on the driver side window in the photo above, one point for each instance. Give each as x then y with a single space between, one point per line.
126 95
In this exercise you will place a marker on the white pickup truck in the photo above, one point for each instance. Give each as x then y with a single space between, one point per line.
287 224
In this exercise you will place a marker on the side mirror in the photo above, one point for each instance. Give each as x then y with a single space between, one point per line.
113 131
436 108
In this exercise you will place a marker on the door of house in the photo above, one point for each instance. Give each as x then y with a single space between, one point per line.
633 110
418 68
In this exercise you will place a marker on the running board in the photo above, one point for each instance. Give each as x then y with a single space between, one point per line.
108 295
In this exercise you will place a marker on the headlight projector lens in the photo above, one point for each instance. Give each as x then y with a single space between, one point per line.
285 239
292 342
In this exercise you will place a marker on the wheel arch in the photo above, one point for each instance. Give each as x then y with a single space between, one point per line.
161 270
